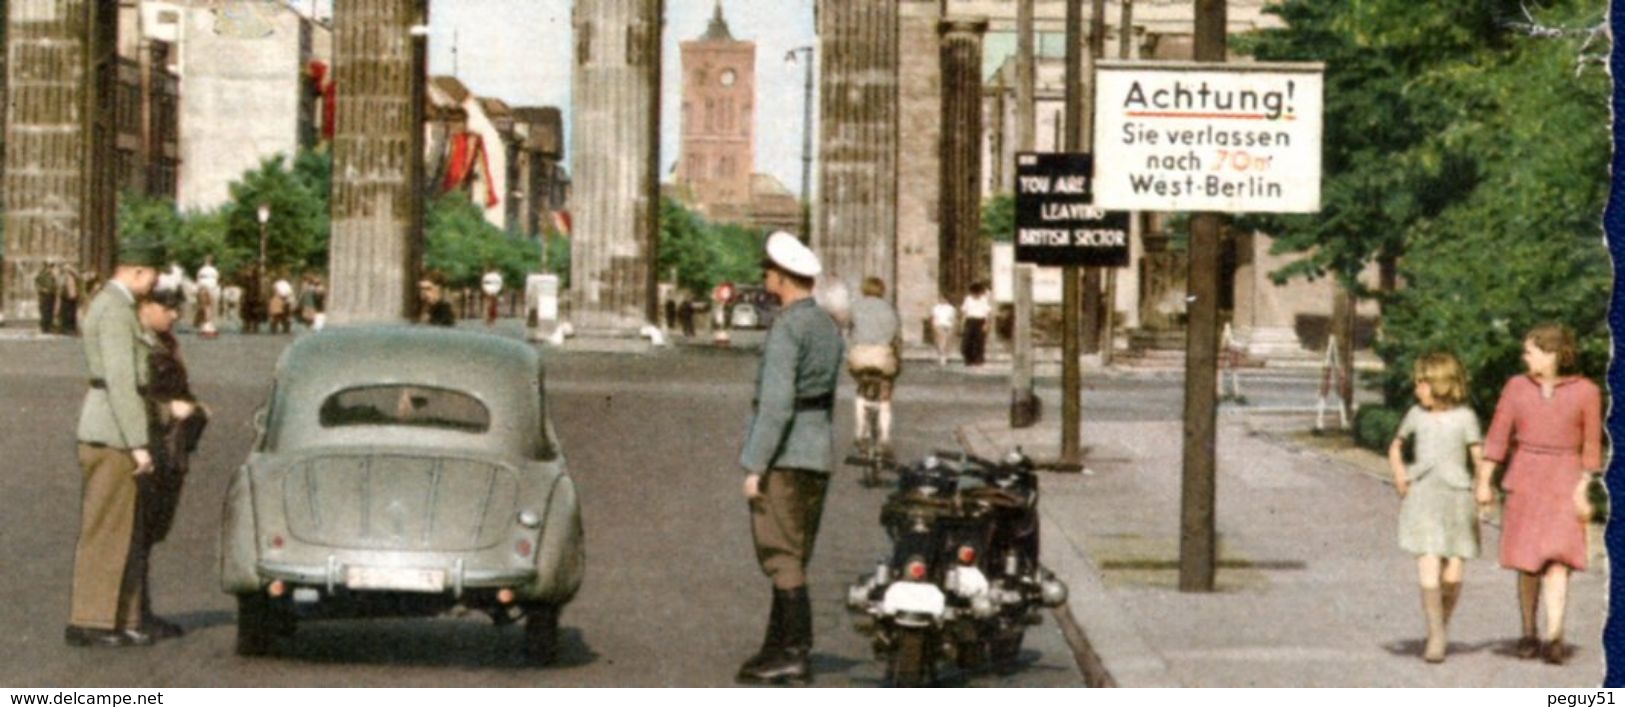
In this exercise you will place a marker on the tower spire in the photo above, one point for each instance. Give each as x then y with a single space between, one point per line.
718 31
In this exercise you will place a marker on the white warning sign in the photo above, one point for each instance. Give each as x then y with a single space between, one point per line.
1181 136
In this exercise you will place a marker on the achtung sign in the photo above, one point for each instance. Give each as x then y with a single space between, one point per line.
1057 222
1182 136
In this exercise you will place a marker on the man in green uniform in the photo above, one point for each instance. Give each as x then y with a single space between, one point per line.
788 453
45 286
112 452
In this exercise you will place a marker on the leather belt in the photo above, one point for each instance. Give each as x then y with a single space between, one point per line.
808 404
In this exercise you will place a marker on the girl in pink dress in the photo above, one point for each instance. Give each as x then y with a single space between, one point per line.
1548 430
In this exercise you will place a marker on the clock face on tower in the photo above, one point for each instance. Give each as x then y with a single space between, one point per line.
728 77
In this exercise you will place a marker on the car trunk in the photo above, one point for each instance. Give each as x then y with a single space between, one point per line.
399 502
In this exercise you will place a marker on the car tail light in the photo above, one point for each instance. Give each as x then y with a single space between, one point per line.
276 542
916 570
277 589
522 548
967 555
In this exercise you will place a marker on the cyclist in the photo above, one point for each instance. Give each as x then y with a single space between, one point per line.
872 355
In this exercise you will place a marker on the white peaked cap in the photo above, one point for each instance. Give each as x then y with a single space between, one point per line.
788 252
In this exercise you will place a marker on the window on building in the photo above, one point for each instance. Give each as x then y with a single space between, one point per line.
710 115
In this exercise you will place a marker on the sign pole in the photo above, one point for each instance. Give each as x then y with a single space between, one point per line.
1071 375
1198 544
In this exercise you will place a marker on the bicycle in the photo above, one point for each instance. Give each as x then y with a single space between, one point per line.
874 457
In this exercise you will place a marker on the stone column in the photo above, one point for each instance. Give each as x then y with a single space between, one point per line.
964 260
58 201
376 250
855 225
919 132
616 193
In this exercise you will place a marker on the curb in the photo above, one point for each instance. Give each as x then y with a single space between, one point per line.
1105 640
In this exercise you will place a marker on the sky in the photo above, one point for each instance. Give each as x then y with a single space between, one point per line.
520 51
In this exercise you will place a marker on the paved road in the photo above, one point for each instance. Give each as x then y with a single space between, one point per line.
672 597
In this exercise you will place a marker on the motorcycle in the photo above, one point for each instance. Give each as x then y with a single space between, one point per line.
963 581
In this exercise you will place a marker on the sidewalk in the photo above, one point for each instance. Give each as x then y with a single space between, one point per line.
1312 588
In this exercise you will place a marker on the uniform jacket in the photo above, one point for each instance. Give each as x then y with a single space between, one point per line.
801 362
115 353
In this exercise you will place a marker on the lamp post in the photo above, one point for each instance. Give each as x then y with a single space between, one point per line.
264 213
806 138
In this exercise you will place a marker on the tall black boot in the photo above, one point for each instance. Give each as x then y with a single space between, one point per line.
792 663
772 643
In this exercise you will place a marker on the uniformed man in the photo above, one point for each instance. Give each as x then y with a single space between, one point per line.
112 452
788 452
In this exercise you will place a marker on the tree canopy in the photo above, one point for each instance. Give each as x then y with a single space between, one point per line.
1469 142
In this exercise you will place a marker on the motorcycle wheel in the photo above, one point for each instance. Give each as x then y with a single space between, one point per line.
972 656
1005 649
911 658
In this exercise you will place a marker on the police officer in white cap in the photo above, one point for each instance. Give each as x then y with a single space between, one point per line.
788 454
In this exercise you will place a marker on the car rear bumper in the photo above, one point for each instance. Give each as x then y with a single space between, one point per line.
455 578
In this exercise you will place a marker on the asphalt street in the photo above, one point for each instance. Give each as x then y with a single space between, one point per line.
672 595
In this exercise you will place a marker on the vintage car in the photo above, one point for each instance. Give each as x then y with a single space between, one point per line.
402 471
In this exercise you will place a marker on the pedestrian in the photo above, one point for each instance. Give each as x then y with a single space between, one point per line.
208 299
175 422
113 451
943 316
67 299
671 313
252 301
975 309
491 288
1438 520
434 309
685 314
45 286
787 454
310 300
1547 429
873 353
280 306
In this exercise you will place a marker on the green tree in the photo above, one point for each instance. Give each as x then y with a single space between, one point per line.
297 232
1469 150
704 254
999 219
462 244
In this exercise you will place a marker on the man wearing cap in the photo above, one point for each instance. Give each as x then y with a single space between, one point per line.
788 452
112 453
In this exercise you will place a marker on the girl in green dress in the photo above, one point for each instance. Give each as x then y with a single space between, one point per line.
1438 517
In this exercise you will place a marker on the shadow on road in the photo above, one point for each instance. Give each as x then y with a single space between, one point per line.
433 642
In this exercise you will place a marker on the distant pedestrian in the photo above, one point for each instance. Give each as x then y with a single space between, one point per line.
434 308
67 299
280 306
1548 430
1438 521
943 317
208 298
685 315
113 452
45 286
491 288
671 313
975 309
311 301
253 300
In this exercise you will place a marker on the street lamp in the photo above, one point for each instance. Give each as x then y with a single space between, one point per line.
264 213
791 57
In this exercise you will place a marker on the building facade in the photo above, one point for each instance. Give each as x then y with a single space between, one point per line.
250 92
718 144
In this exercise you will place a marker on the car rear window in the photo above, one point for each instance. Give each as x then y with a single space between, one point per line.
405 405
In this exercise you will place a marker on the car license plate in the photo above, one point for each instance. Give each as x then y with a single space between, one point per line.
913 598
397 579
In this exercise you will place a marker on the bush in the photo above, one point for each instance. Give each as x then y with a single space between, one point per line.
1375 425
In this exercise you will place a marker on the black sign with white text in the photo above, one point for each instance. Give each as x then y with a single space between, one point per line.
1056 220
